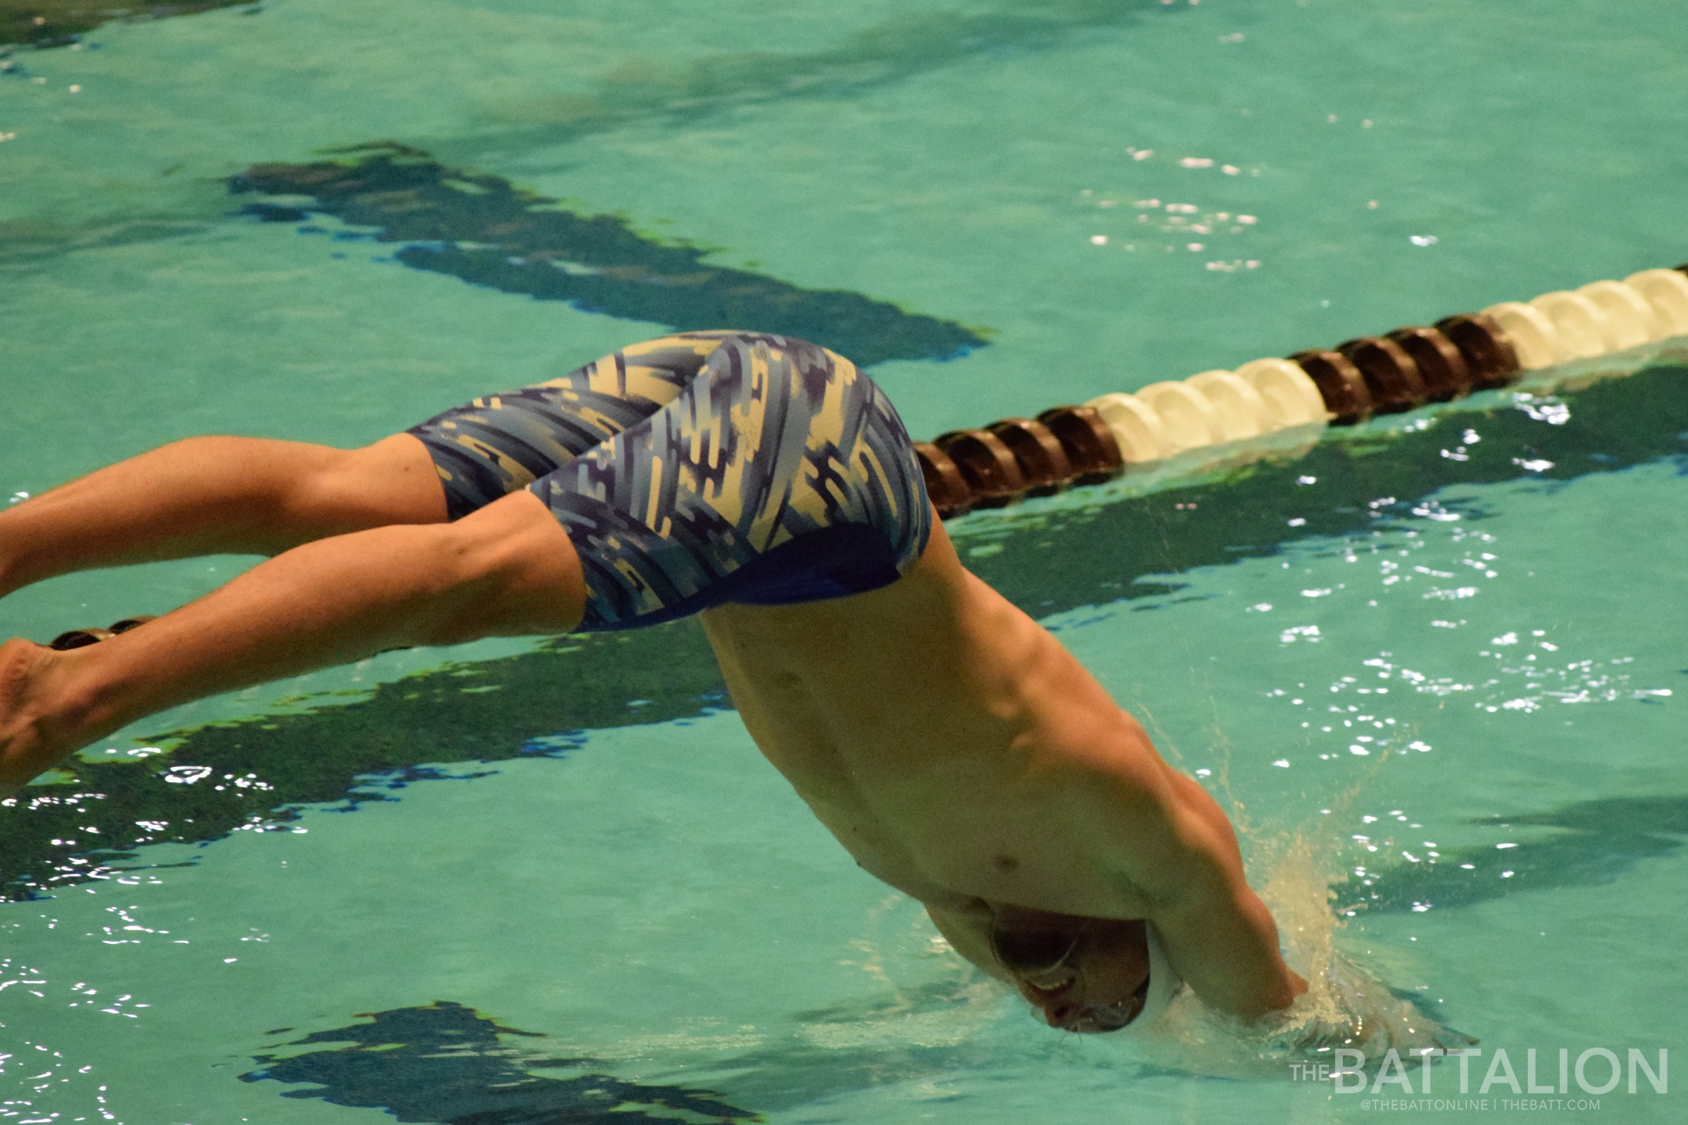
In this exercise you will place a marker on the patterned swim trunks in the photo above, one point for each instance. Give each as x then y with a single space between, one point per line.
700 469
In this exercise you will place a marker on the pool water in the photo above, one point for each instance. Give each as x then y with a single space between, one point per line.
553 879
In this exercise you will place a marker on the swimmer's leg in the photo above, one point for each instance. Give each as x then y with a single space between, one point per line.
229 495
508 569
216 495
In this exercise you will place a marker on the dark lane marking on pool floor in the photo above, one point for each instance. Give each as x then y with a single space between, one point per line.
486 231
500 709
1598 841
446 1064
785 1070
252 775
58 23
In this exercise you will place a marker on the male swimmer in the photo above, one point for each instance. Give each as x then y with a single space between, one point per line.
950 743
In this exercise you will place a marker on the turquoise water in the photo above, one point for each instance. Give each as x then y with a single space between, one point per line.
645 893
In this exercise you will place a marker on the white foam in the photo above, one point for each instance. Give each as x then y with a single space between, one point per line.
1344 1005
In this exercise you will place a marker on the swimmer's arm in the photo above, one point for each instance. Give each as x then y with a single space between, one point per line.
1176 847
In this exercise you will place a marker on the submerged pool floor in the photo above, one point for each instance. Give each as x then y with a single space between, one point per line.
1433 669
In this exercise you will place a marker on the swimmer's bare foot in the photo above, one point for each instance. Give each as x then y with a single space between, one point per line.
34 731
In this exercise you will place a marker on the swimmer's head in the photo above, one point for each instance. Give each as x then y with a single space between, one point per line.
1083 974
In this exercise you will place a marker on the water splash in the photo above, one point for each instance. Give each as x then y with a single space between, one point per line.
1346 1006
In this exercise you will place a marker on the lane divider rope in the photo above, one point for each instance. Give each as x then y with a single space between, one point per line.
1401 370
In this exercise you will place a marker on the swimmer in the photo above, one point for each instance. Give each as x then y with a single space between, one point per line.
950 743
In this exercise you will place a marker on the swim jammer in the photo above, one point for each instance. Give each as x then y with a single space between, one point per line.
700 469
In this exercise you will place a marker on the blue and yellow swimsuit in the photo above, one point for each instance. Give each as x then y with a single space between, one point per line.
698 469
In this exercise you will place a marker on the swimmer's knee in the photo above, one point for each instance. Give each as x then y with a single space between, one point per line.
521 566
392 481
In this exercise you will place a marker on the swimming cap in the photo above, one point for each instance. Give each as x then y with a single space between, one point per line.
1164 983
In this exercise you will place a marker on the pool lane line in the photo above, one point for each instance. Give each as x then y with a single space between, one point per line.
261 773
446 1063
484 230
59 23
1557 338
1589 843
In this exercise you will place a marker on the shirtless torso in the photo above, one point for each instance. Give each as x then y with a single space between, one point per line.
963 756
